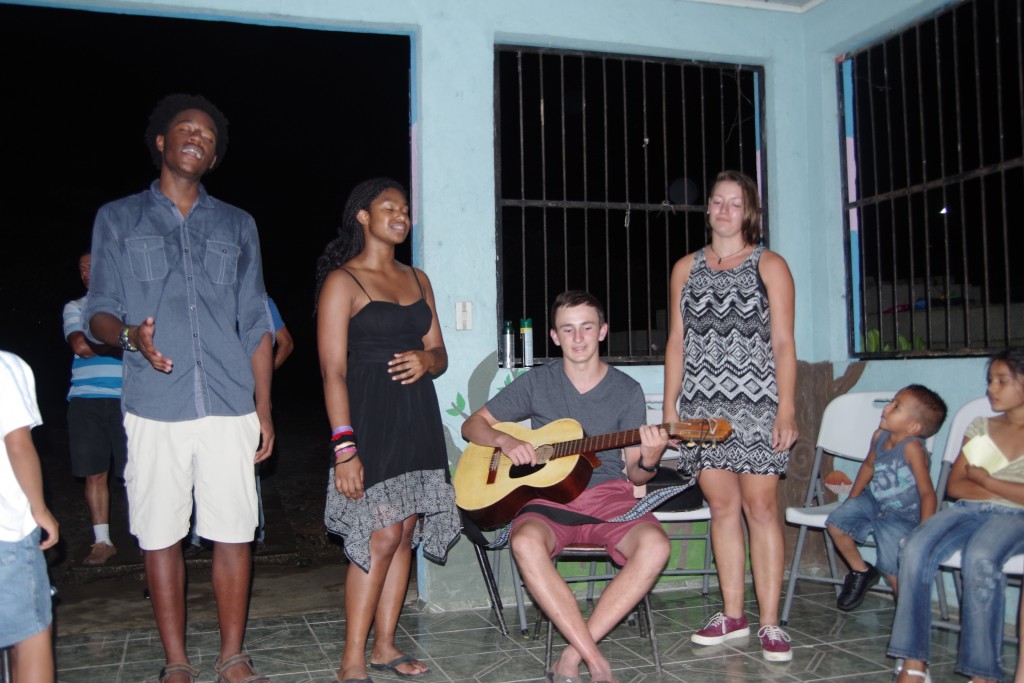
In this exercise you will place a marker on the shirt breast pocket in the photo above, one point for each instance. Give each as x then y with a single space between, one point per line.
147 258
222 262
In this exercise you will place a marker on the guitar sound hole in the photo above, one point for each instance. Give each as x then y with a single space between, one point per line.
519 471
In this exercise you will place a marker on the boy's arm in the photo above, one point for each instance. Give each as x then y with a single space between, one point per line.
284 347
478 429
262 369
867 469
25 463
917 459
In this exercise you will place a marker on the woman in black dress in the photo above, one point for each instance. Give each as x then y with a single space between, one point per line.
380 346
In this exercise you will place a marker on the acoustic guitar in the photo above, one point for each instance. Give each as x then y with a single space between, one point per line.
492 490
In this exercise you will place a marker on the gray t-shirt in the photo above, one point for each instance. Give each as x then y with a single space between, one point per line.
545 394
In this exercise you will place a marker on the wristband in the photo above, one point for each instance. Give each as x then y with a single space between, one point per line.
645 468
339 431
126 343
342 462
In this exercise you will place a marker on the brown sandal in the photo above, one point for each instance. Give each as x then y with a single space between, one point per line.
179 668
234 660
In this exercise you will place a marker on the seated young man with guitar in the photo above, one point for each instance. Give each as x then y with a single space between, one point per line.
603 400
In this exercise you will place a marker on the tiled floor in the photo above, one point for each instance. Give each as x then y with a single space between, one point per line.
465 646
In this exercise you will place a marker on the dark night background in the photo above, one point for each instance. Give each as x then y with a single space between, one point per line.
311 114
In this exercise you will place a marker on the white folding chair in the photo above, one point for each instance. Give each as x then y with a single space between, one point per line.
847 425
979 407
701 515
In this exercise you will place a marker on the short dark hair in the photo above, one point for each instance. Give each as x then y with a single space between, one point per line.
932 412
573 298
751 204
172 105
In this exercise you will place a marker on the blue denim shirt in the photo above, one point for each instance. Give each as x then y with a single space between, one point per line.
201 278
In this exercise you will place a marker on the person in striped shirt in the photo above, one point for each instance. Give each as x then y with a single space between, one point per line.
95 426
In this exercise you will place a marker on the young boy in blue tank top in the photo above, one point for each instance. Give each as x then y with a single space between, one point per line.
892 493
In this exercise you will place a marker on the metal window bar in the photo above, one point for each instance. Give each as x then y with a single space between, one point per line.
602 164
937 157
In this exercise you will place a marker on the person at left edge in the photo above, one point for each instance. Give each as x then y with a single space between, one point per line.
177 282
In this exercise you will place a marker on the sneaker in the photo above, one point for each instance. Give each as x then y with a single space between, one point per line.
99 554
720 629
856 586
774 644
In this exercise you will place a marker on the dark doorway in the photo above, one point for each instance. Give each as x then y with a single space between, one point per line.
312 112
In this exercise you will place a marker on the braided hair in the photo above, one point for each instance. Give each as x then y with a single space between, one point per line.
172 105
349 241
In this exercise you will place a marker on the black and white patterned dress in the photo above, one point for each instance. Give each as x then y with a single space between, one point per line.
729 369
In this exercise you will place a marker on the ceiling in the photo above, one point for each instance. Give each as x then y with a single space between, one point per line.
778 5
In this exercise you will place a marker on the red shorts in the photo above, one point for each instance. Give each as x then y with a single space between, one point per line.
604 501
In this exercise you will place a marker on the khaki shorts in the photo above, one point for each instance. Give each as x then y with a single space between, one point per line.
167 460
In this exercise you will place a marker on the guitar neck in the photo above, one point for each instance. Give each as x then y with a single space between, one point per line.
701 431
593 444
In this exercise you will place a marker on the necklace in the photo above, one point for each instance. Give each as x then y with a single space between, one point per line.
721 258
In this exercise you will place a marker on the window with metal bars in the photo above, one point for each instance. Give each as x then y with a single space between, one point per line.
933 126
603 164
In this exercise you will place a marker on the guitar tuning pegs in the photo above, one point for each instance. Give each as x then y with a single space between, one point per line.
691 443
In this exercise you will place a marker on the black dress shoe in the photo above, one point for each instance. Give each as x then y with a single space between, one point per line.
856 586
193 550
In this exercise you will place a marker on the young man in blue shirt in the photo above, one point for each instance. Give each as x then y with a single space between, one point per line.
177 282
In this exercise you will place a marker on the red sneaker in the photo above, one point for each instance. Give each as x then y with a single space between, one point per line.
774 644
720 629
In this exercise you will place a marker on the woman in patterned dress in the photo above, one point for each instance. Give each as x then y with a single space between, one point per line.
731 355
380 347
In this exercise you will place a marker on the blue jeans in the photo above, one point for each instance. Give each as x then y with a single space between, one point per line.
863 516
25 607
987 535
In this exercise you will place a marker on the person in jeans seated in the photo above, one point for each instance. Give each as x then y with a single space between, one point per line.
892 493
986 525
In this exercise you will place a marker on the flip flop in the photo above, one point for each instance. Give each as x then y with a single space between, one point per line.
553 677
393 665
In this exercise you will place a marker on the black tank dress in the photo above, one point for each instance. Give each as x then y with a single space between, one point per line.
399 434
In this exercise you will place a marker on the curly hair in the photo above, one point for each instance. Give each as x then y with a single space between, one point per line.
751 204
349 241
172 105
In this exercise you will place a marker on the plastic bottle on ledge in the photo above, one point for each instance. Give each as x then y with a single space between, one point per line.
508 346
526 332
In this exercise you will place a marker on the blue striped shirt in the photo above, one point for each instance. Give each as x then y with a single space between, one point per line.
96 377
